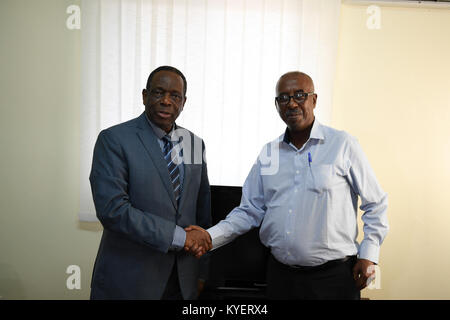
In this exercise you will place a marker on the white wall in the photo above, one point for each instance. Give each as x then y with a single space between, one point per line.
39 232
392 92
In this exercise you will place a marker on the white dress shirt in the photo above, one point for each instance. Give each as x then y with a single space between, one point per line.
306 199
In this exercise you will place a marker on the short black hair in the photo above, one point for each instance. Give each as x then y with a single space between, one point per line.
167 68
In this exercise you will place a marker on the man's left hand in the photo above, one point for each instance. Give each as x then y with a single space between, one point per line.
361 272
198 241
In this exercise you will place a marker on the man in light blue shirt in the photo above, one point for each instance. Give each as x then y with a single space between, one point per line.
303 192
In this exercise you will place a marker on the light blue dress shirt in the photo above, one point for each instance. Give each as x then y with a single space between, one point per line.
307 206
179 236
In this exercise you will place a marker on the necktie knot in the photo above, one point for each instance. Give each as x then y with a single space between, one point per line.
167 139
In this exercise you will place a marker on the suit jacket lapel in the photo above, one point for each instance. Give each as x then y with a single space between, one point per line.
187 177
187 166
148 138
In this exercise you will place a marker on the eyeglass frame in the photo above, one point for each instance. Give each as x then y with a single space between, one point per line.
305 96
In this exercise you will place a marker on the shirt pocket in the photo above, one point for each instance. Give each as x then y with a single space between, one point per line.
320 178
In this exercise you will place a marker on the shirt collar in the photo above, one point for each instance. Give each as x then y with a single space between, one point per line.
316 132
160 133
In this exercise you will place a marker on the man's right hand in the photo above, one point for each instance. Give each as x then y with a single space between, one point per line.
198 241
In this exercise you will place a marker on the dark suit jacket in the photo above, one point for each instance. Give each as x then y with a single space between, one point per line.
135 203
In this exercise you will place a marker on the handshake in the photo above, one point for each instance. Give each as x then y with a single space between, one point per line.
198 241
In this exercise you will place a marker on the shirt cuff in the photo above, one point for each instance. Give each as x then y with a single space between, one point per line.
369 251
217 237
179 238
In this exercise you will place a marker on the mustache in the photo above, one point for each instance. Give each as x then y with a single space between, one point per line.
294 112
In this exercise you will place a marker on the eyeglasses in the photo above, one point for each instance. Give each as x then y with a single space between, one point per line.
299 97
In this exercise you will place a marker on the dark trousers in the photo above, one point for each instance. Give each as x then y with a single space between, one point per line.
173 291
334 281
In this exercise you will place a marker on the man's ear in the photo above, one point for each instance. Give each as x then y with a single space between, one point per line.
314 100
144 96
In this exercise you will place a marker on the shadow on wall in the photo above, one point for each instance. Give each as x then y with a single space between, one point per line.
11 287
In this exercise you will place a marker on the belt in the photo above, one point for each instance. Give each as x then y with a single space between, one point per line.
326 265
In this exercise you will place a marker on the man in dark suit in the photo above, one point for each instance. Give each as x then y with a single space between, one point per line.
149 181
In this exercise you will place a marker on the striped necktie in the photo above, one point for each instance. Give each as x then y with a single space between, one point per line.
174 171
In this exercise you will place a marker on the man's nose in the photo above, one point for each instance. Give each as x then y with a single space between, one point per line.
292 103
166 99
